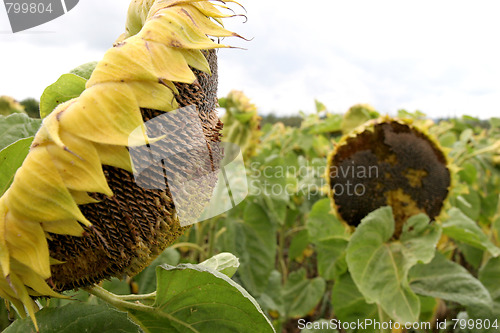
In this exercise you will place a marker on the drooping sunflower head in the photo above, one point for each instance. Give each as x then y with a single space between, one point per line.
388 162
76 212
241 122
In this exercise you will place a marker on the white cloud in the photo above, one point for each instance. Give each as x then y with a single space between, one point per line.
439 57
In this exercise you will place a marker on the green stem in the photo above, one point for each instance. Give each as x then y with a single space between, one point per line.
481 151
116 300
187 244
211 237
281 255
121 304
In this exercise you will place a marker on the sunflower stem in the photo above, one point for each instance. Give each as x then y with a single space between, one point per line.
118 301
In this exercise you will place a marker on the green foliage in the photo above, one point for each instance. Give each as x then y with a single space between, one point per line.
15 127
67 87
298 261
11 159
379 267
77 317
32 107
9 105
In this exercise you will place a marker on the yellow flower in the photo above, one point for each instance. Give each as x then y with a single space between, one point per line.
74 213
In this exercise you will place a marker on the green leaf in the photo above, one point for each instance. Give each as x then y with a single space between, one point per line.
146 279
254 243
194 298
77 317
298 244
319 106
67 87
349 305
470 204
328 252
271 298
489 275
85 70
332 123
322 225
15 127
463 229
301 294
356 116
11 158
380 268
224 262
448 139
449 281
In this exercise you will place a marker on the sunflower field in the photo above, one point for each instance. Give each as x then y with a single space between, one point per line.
352 222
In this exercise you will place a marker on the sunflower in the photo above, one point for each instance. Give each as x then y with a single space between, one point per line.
75 214
387 162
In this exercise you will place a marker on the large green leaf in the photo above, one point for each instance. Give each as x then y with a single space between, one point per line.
271 298
85 70
146 279
449 281
301 294
67 87
328 252
224 262
379 267
462 228
194 298
349 305
254 243
489 275
77 317
11 158
17 126
322 225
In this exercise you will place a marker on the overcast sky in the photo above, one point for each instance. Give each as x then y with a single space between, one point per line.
441 57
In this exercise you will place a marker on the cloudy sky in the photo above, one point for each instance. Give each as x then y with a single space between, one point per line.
441 57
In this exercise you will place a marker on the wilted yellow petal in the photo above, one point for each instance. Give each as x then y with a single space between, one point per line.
123 63
154 95
176 29
23 295
79 165
105 113
27 243
31 279
4 251
117 156
38 192
82 198
66 227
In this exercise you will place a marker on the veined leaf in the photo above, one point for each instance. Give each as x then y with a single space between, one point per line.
379 267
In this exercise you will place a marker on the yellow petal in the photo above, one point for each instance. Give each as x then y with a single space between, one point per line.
123 63
117 156
23 295
27 243
38 192
154 95
4 251
174 28
31 279
66 227
79 165
106 113
82 197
